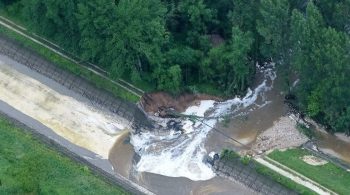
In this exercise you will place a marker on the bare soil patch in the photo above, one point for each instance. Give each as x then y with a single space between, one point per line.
313 160
156 102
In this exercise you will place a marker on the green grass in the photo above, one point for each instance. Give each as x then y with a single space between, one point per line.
284 181
228 155
328 175
28 167
67 65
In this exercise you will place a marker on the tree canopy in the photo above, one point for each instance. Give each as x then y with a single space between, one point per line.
208 45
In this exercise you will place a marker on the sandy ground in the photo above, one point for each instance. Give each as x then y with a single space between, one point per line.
76 121
313 160
283 134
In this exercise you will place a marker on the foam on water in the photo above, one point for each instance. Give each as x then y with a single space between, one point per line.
181 155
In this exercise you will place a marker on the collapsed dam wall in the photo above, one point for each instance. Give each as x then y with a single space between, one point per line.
97 96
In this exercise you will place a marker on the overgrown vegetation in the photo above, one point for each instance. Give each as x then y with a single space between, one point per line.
328 175
208 46
229 155
306 131
28 167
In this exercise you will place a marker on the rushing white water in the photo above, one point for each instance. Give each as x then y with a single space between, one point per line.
181 155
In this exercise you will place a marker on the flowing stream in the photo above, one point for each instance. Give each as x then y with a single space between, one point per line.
166 163
182 154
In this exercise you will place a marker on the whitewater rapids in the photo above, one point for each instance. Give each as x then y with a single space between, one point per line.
182 155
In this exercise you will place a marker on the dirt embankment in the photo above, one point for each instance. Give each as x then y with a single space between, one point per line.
155 103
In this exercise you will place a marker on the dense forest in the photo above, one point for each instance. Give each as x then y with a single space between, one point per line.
209 46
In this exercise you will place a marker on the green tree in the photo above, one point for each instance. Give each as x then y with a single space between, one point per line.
222 24
229 64
244 15
170 79
321 56
55 20
273 26
136 44
196 18
94 19
127 37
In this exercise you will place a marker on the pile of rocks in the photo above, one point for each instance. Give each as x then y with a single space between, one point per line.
283 134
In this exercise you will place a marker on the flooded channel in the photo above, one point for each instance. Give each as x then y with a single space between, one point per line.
171 163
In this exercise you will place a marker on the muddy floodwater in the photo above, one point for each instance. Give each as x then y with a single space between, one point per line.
74 118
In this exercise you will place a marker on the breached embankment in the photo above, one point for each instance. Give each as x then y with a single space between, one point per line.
175 154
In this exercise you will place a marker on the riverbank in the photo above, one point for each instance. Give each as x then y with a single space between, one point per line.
283 134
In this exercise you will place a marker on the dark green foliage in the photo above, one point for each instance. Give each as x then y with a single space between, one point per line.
273 26
228 64
321 57
170 79
306 131
208 46
227 154
53 19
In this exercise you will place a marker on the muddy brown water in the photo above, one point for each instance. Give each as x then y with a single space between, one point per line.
245 128
334 146
122 158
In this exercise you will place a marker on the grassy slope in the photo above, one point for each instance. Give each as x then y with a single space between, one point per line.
284 181
27 166
70 66
288 183
328 175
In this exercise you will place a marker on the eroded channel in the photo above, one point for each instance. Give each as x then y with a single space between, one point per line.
106 134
